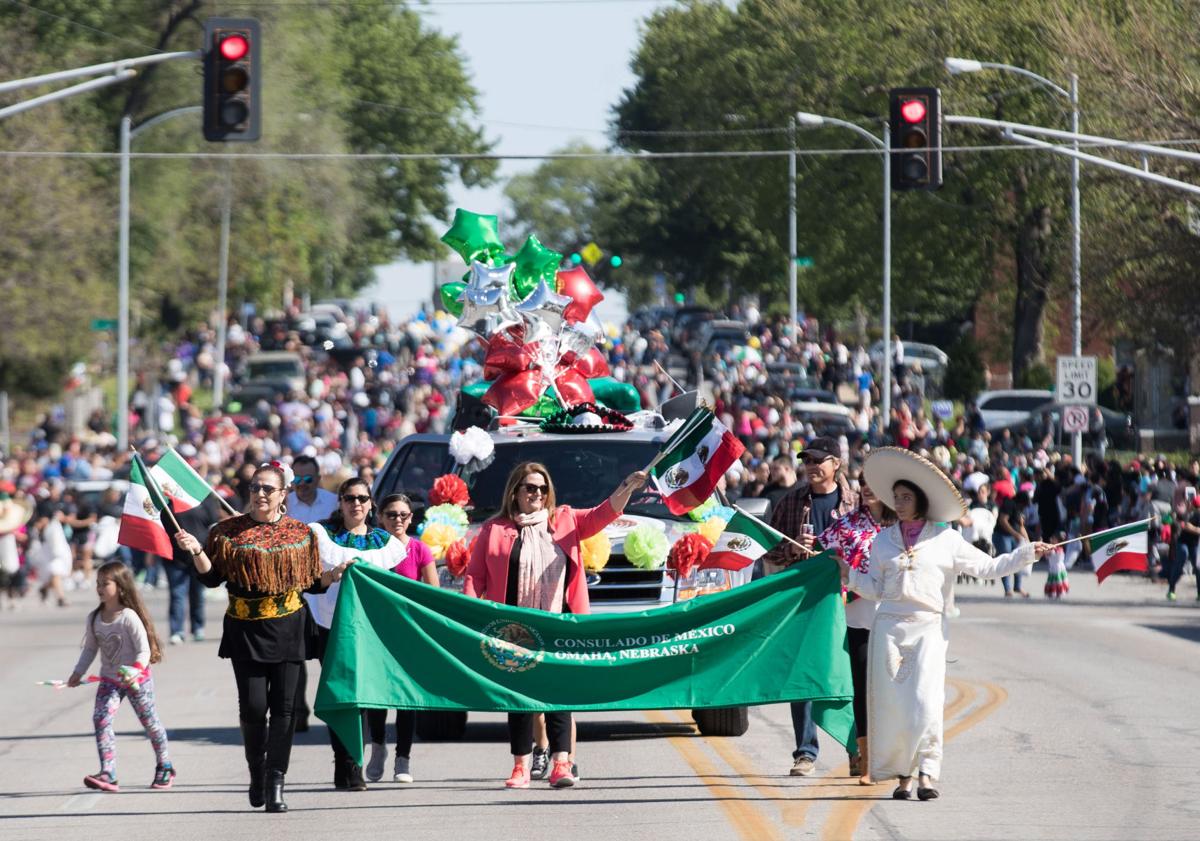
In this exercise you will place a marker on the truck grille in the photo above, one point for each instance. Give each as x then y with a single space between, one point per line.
621 581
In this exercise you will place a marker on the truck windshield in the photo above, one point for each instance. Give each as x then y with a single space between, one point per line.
584 474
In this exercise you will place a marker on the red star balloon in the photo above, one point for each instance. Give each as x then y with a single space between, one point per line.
584 295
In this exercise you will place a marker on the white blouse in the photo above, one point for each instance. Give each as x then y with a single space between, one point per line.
376 547
923 579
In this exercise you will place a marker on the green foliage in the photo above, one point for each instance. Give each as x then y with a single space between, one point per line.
965 370
1037 375
365 77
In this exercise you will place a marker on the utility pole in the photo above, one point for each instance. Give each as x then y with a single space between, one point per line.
792 307
223 289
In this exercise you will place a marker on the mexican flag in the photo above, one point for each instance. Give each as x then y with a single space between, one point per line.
744 541
179 482
1124 547
144 502
693 460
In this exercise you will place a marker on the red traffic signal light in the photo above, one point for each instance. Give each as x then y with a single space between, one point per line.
234 47
913 111
915 137
232 79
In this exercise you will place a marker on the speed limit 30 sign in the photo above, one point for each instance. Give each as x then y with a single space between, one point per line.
1076 383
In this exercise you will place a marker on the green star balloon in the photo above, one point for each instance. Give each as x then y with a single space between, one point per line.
452 297
534 262
474 236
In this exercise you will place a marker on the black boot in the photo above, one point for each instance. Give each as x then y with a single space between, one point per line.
354 778
275 792
341 772
254 740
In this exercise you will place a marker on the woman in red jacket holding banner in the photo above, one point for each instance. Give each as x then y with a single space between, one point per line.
528 556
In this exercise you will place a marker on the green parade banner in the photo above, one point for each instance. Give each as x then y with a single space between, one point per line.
400 644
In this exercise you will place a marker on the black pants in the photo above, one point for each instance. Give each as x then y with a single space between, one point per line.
406 729
263 688
520 732
858 640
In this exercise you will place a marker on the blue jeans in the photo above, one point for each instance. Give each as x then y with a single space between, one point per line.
186 589
147 565
1184 554
1004 544
806 730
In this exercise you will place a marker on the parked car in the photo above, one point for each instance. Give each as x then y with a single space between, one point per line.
585 468
275 366
1117 427
933 359
785 376
718 336
1009 408
813 395
824 418
684 324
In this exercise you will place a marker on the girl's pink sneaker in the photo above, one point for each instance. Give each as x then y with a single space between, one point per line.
103 781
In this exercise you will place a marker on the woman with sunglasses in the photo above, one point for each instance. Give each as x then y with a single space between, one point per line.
528 556
396 513
265 559
351 536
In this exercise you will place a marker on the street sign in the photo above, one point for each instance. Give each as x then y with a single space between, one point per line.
591 253
100 324
1076 381
943 409
1075 418
804 262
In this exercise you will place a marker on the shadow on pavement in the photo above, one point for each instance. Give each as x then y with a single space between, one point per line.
1187 632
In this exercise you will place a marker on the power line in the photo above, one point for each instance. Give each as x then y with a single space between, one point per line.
86 26
597 155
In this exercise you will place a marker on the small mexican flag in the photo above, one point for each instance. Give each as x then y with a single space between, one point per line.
179 482
1124 547
744 541
693 460
144 502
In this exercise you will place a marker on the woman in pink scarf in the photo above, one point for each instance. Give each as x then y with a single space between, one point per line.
528 556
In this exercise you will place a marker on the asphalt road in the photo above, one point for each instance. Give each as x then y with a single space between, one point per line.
1064 721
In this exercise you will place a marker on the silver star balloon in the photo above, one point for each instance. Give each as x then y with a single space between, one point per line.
486 308
546 306
579 337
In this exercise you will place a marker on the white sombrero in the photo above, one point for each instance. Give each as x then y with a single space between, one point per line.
14 513
886 466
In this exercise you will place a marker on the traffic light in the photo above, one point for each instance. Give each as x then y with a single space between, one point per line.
916 138
232 80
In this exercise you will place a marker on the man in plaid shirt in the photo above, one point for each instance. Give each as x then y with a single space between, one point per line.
815 503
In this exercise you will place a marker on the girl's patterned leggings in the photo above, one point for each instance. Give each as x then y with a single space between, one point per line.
108 699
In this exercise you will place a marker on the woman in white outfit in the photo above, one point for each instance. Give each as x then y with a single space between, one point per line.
913 566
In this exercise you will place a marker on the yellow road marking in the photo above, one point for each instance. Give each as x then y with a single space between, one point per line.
750 823
844 819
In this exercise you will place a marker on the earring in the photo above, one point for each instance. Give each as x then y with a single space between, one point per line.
283 509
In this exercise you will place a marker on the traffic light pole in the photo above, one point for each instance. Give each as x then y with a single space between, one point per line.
1076 255
793 310
223 289
128 133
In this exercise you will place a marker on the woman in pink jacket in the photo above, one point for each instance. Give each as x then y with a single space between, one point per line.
528 556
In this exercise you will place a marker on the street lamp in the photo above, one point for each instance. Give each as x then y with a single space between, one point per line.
128 133
813 120
967 65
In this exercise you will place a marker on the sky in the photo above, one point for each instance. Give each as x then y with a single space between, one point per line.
547 71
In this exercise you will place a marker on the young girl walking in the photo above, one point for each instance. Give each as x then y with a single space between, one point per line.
122 632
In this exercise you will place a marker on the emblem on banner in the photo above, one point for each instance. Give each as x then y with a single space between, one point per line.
703 453
148 507
676 477
171 489
511 646
1115 547
738 543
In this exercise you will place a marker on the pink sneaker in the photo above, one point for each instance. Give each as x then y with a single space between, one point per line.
561 776
519 778
103 781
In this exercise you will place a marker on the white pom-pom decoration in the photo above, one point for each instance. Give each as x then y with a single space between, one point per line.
588 419
472 448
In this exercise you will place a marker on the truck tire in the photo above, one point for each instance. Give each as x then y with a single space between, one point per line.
722 721
441 726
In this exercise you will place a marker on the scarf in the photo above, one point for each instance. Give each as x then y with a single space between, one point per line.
543 565
911 532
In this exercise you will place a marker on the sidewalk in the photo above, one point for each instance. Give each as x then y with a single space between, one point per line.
1119 589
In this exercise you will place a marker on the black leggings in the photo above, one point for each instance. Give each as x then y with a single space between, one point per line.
520 732
858 640
406 728
264 687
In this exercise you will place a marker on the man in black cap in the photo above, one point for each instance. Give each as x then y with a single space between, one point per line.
802 515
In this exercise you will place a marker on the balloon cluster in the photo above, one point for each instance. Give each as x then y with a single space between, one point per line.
536 318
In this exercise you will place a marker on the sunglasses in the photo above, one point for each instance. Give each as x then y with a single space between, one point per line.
361 499
257 488
814 460
398 515
304 480
530 488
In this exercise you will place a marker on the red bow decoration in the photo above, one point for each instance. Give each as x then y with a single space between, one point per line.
449 489
517 386
688 553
